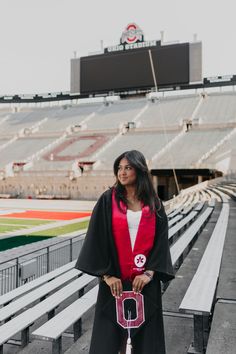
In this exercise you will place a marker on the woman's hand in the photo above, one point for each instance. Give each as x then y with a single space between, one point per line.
140 281
115 285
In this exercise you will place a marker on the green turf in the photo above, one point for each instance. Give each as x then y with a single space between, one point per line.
17 241
12 242
62 229
30 222
8 228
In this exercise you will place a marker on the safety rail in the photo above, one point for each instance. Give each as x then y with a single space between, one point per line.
45 260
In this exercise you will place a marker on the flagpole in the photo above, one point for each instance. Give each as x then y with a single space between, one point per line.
155 84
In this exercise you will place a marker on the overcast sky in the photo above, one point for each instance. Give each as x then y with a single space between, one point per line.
39 37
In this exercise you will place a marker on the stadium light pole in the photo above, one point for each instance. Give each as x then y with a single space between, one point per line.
163 122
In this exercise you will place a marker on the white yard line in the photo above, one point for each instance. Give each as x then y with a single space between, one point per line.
42 227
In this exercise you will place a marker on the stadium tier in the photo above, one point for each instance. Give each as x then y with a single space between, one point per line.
65 117
218 108
13 123
114 115
224 154
148 142
190 148
172 110
79 141
22 148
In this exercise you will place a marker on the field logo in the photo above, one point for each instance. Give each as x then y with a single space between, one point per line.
132 34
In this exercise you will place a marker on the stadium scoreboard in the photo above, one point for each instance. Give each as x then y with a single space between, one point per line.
128 66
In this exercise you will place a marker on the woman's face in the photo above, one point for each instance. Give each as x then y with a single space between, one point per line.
126 173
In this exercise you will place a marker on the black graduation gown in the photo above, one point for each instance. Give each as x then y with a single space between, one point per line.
98 256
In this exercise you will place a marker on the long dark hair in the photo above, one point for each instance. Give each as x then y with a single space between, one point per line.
144 187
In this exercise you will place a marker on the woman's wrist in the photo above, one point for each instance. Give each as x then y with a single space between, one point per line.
149 274
105 277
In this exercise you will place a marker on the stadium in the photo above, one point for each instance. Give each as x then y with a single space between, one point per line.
57 154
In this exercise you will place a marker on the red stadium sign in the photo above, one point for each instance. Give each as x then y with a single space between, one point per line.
132 38
132 34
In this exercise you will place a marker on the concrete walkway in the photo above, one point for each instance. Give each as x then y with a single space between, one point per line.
68 205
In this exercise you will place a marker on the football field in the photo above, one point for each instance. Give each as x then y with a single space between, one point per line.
22 225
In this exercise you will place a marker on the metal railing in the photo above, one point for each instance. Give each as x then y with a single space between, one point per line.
31 265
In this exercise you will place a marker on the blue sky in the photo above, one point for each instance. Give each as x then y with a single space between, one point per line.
38 37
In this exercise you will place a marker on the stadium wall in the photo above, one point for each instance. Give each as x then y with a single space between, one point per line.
90 187
51 187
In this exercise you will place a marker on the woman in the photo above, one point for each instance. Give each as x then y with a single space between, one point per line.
127 247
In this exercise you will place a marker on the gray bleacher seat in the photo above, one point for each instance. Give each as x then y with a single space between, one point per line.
172 111
112 116
184 151
54 328
22 321
149 143
22 290
218 107
199 297
184 242
23 148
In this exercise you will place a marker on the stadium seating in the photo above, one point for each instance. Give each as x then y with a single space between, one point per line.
41 288
199 297
147 142
218 107
196 131
169 111
202 139
52 138
63 282
116 114
11 309
12 295
56 287
184 243
21 322
54 328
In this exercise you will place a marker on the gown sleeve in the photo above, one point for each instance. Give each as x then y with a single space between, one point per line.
94 257
159 259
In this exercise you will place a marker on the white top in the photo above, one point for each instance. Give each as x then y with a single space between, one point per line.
133 219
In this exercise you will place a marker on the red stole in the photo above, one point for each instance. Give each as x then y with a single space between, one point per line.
132 262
